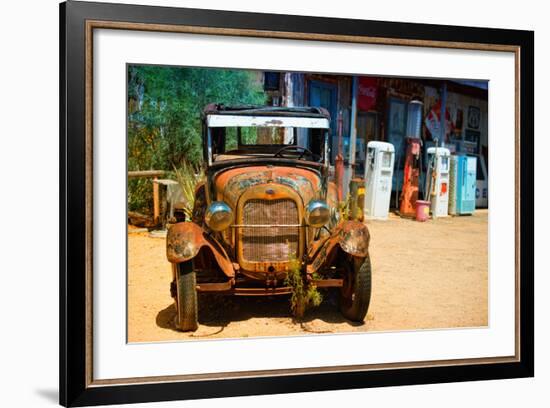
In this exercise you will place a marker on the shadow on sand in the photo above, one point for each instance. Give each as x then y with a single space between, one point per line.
217 311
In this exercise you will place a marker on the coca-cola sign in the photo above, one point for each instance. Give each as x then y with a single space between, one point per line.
367 93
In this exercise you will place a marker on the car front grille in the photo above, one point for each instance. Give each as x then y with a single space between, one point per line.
270 231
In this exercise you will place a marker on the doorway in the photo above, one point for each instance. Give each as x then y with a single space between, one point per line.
324 95
397 129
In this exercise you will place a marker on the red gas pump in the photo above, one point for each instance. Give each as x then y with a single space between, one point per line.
339 161
411 174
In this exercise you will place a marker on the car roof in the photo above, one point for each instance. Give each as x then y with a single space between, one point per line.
256 110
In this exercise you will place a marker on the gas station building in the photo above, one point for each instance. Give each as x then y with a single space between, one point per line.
365 108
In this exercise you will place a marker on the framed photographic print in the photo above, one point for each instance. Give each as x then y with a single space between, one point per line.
256 203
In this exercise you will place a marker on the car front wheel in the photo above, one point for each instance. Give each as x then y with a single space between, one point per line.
356 290
186 297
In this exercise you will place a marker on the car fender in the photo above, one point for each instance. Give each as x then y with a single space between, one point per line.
185 240
352 237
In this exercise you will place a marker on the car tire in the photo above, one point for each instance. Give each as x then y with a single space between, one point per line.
356 291
186 297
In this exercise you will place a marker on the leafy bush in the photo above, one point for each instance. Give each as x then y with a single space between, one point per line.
164 116
140 195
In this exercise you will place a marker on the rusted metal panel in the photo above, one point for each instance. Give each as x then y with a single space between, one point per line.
322 254
354 238
283 290
327 283
186 239
232 183
351 236
215 287
227 288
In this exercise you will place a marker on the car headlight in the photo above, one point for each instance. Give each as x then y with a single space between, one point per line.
218 216
317 213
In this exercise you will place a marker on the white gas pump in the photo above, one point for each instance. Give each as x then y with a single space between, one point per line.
439 159
378 175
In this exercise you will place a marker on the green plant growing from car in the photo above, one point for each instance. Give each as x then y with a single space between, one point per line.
301 297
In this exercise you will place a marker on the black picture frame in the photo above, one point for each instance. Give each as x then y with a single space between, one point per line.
76 389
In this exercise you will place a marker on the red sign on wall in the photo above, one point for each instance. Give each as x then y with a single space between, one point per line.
433 122
367 93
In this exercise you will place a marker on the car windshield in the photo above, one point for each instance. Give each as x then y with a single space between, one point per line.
303 143
250 136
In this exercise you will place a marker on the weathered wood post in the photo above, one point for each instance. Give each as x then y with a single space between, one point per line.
154 174
156 201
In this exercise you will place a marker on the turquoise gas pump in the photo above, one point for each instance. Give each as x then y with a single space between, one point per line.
466 185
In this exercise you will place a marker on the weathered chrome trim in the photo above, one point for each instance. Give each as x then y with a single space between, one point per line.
216 209
317 205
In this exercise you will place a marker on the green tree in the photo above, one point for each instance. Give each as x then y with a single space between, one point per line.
164 111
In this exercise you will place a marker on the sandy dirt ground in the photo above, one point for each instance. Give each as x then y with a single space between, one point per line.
425 276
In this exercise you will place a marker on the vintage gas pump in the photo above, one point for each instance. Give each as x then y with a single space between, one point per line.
411 168
453 176
411 174
438 180
462 192
378 175
466 185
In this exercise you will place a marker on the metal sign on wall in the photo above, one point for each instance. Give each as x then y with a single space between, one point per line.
367 93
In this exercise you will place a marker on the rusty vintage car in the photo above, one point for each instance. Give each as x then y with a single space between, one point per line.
267 199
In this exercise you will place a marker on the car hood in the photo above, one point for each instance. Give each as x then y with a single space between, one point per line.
232 183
